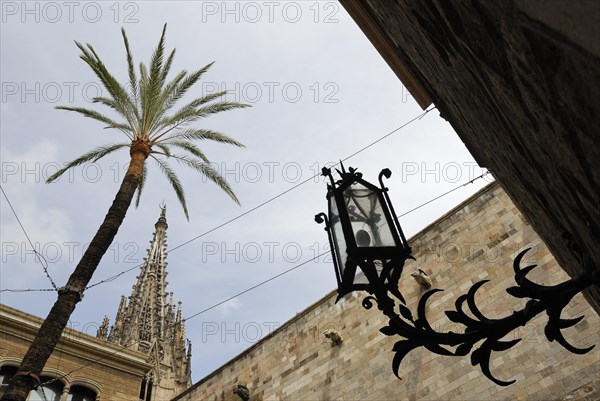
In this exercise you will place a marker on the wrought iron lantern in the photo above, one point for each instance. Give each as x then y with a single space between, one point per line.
365 237
369 252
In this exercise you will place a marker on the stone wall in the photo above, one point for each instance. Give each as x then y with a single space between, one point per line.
114 373
478 240
519 82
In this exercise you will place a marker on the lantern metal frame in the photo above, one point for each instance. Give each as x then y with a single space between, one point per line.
381 265
418 332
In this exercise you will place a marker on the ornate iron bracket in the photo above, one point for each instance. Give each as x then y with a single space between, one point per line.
419 333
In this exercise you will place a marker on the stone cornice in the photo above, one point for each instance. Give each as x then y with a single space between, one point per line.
24 326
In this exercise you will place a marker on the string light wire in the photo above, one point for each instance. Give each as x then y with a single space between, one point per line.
111 278
39 257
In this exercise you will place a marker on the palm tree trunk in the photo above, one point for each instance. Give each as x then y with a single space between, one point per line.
27 376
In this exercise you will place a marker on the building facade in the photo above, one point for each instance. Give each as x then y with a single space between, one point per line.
81 368
477 240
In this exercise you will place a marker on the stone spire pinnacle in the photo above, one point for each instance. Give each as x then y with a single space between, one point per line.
147 322
103 329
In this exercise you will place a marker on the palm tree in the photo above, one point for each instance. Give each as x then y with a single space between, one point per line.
153 131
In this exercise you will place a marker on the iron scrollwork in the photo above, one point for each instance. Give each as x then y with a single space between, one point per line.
419 333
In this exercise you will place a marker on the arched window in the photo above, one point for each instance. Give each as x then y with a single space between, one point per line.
48 392
80 393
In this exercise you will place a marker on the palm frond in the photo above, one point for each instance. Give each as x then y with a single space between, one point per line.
141 183
112 103
186 145
207 170
93 156
203 134
131 70
154 82
169 89
174 91
204 100
197 102
144 95
164 103
157 60
187 83
189 109
93 114
126 129
114 88
175 183
189 114
218 107
164 148
167 68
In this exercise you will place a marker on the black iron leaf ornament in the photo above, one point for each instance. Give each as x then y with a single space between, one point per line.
477 327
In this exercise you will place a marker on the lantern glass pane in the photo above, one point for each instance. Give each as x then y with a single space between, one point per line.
338 235
360 277
369 224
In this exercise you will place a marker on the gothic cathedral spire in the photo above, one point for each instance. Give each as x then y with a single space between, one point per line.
147 322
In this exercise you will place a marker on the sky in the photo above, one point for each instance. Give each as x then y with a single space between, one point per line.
319 92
